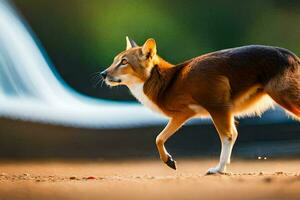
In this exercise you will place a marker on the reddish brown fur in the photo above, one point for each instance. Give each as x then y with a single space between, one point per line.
213 83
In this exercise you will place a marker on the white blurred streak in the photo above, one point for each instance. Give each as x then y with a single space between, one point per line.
30 91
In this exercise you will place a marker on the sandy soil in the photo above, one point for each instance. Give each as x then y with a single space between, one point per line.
257 179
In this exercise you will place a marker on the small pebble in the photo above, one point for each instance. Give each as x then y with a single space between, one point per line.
268 179
72 177
91 177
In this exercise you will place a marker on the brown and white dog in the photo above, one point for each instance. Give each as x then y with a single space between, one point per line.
221 85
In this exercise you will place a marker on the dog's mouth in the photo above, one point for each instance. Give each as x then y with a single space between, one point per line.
112 81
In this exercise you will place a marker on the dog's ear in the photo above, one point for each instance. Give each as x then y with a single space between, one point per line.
130 43
149 48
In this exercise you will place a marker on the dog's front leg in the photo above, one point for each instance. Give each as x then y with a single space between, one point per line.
174 124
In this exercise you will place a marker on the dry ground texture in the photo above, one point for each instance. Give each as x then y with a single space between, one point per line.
149 179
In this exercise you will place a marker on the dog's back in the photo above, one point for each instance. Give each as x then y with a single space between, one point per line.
240 77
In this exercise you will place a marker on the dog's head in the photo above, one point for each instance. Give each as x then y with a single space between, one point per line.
133 65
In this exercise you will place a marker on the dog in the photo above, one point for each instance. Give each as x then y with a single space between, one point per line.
225 84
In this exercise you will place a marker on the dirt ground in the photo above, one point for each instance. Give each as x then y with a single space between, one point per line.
149 179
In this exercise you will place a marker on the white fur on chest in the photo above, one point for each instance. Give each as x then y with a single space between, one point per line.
138 92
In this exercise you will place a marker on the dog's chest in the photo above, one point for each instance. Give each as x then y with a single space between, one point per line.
138 92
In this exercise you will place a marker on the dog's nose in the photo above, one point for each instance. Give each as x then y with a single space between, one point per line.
103 74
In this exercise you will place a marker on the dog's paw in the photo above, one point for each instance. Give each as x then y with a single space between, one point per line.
215 170
171 163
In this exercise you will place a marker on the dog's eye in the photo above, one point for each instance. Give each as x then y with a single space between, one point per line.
124 62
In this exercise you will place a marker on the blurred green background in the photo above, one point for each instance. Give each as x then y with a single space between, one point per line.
82 36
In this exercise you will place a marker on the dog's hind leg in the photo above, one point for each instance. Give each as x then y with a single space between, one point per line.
290 106
285 91
224 123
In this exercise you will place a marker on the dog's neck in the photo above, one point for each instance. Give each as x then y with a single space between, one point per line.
160 80
156 84
152 91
